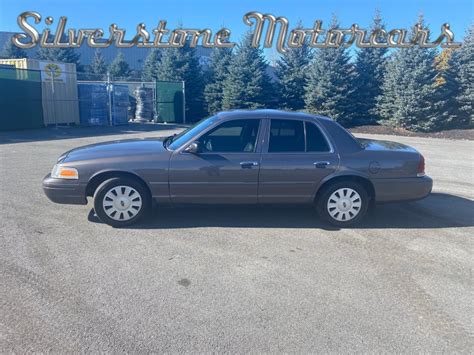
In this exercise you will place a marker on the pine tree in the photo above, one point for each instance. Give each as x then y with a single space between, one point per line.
10 51
291 70
119 68
182 64
217 73
460 81
247 85
370 70
64 55
98 67
329 87
150 67
410 98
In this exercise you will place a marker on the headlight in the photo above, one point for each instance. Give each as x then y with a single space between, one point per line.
64 172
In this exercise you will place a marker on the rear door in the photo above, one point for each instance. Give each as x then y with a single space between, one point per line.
295 159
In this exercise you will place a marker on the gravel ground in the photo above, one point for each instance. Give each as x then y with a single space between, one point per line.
233 279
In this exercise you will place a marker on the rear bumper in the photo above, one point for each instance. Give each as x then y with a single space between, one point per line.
64 191
402 189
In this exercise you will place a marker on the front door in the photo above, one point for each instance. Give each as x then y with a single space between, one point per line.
224 170
297 157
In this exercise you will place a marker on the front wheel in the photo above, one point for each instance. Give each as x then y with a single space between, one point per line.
120 202
343 204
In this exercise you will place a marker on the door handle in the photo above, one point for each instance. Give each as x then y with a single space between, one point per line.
248 164
321 164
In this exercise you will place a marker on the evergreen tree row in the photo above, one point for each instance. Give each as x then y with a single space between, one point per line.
413 88
423 91
117 70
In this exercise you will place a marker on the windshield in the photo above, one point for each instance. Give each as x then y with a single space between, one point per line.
178 140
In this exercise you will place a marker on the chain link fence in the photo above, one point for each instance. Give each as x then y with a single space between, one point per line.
149 101
32 98
104 103
152 101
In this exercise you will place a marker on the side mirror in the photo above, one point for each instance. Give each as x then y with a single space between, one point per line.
193 148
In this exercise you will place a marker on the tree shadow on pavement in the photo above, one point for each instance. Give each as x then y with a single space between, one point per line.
436 211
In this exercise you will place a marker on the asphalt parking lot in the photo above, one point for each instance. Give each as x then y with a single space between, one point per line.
233 279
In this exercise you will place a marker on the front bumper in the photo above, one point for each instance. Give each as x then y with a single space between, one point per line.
64 191
402 189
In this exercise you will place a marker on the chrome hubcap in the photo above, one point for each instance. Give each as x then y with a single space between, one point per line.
344 204
122 203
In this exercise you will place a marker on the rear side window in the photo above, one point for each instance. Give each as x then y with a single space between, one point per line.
286 136
315 140
289 136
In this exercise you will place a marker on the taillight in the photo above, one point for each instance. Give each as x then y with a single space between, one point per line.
421 166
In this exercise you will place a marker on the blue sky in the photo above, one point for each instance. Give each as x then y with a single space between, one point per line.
216 14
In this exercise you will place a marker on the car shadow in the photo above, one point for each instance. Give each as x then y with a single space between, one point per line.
70 132
436 211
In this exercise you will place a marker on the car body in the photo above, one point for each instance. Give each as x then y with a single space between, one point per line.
244 157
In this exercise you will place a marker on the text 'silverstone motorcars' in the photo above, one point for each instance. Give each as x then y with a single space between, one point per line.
242 157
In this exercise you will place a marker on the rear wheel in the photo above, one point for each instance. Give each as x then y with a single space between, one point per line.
120 202
343 203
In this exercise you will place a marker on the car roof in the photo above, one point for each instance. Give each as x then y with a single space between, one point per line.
268 113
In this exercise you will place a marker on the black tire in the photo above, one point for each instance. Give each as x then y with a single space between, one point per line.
131 215
323 207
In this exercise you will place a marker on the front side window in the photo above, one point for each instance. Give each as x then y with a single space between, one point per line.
237 136
286 136
192 131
